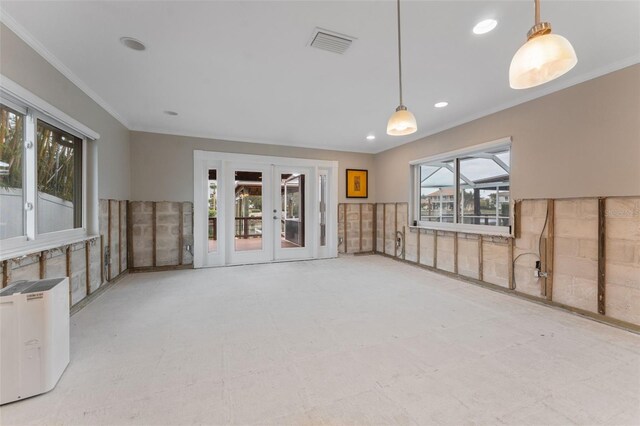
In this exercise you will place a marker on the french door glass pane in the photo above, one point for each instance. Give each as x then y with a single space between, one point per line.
213 210
11 198
292 215
248 211
323 210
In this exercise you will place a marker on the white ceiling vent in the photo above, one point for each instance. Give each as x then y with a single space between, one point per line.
330 40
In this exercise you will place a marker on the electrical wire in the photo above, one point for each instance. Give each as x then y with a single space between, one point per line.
538 255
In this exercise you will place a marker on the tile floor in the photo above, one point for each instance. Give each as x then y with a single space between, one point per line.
355 340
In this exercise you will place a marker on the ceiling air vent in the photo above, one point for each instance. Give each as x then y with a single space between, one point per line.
331 41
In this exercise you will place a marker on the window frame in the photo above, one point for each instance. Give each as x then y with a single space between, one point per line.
31 240
456 226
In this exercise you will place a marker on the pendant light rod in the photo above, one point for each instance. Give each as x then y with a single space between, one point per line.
537 5
399 53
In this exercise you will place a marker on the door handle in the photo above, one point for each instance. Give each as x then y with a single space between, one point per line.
275 217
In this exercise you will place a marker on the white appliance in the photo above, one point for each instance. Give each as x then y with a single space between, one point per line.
34 337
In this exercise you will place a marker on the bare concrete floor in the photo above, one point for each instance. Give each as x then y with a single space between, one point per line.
357 340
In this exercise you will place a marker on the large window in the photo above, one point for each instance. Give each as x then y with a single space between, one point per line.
465 189
41 177
59 164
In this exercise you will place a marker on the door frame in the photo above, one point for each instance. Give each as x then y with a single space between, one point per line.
222 162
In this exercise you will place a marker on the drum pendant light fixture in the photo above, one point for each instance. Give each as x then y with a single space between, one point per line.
402 121
544 57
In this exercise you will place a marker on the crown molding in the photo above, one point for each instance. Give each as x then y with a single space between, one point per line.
32 42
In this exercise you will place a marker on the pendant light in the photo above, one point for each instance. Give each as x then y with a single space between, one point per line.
402 122
544 57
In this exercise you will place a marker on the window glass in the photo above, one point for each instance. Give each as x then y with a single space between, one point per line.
213 210
11 173
483 189
59 173
437 191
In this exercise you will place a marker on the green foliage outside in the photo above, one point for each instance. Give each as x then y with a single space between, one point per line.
11 126
55 164
55 157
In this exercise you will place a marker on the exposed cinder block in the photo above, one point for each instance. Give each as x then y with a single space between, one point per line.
56 264
167 233
468 255
495 261
622 253
411 238
390 229
379 228
78 279
445 255
427 239
575 263
25 269
142 233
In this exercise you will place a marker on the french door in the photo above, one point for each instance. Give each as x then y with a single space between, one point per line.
253 209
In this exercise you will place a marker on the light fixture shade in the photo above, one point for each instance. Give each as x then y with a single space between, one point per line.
402 122
541 59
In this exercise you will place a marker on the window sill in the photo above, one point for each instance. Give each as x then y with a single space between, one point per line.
495 231
27 248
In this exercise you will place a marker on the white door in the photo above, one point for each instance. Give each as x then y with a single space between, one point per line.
248 207
294 208
257 209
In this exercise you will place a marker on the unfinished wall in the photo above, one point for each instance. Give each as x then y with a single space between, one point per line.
80 262
355 227
564 235
161 234
622 253
575 274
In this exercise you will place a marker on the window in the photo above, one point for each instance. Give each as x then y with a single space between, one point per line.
41 179
11 177
479 197
59 164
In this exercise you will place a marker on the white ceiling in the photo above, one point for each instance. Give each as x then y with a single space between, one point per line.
242 70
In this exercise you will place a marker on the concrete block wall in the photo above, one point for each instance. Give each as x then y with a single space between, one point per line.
563 234
355 227
469 255
80 262
622 251
427 247
445 251
113 228
161 234
141 233
575 262
526 247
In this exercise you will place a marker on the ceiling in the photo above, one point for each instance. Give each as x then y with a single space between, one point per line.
243 70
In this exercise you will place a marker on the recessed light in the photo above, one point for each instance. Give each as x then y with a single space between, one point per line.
171 113
370 137
485 26
441 104
132 43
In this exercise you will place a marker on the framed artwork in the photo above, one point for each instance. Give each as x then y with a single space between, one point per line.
357 183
